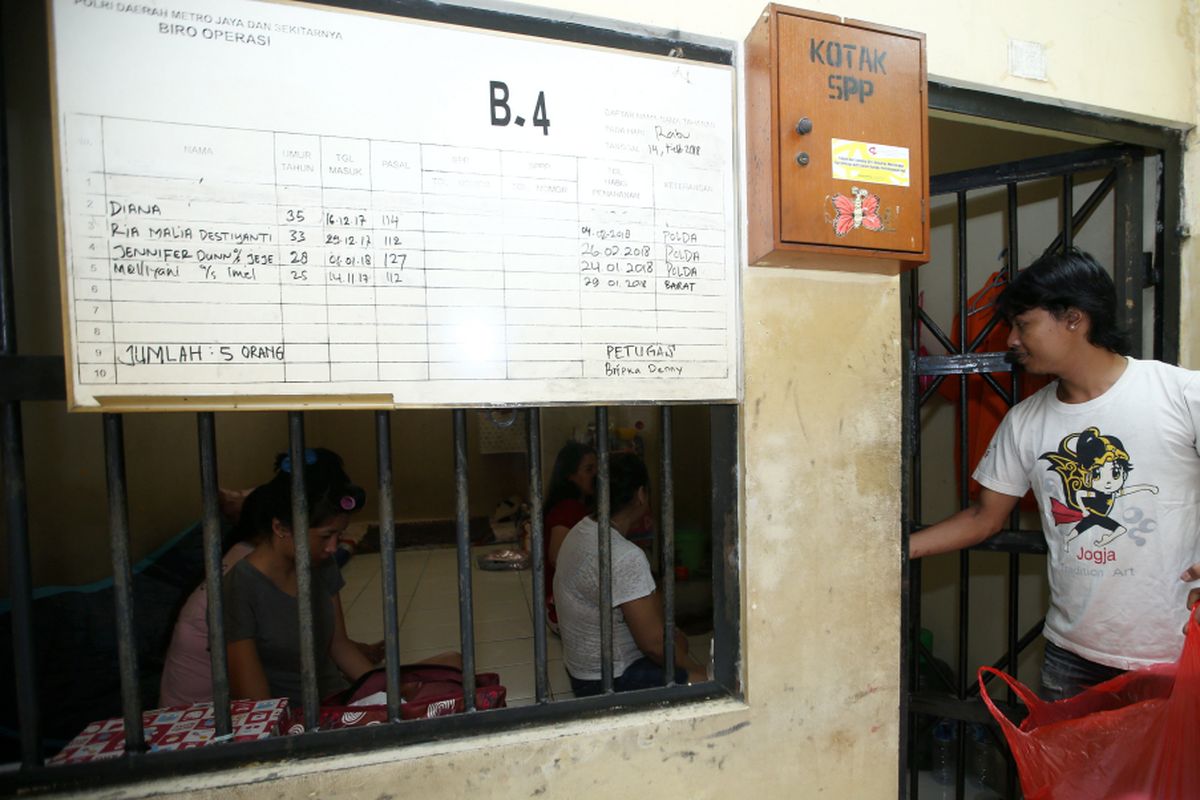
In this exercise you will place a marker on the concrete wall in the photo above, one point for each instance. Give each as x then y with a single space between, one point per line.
1189 350
821 470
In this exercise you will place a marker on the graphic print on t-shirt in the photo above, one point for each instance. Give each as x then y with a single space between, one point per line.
1094 469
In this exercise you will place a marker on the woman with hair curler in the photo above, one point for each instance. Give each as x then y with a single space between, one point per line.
262 610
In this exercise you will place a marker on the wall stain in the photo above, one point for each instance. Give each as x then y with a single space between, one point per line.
734 728
854 698
842 740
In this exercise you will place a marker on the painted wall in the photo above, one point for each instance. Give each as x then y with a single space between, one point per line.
821 474
1189 353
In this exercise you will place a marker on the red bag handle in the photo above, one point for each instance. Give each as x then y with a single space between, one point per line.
415 673
426 672
1031 700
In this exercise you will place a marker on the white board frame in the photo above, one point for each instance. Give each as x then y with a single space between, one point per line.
685 55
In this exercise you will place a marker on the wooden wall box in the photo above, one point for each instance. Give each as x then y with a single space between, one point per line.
837 139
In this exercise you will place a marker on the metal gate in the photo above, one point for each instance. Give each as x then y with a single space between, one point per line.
1140 268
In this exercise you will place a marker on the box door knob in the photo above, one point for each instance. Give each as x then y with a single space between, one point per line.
804 126
802 159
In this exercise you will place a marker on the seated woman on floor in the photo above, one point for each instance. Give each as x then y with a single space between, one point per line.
187 668
568 499
636 605
262 627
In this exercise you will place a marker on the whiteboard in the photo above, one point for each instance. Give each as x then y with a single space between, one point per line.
275 205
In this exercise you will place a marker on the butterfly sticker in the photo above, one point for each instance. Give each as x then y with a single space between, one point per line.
859 211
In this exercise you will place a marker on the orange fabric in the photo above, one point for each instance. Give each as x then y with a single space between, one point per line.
985 408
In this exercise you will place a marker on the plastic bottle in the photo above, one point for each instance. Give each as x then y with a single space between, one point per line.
945 751
984 760
933 676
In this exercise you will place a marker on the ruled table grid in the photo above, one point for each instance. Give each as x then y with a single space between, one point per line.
228 256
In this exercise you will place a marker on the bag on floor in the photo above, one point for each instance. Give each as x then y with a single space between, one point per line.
427 690
1135 736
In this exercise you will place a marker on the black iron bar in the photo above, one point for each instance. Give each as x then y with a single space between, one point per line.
1171 274
962 363
387 562
8 300
1157 268
20 580
1014 521
300 524
1128 264
964 556
1006 661
992 322
947 706
462 530
1038 114
1027 170
211 519
118 526
912 590
908 663
537 548
936 330
1003 393
1009 541
20 577
941 670
1085 211
604 544
725 552
930 390
1014 647
667 514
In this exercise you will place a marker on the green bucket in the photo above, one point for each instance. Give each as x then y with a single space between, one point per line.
690 547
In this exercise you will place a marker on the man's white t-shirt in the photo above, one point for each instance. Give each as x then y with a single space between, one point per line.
1117 481
577 598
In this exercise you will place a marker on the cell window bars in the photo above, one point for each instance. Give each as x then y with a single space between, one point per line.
137 763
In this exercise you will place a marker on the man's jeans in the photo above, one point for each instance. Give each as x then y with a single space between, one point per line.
1065 674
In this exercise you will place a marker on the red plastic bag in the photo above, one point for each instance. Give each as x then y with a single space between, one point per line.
1135 736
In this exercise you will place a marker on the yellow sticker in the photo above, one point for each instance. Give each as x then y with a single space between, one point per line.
870 163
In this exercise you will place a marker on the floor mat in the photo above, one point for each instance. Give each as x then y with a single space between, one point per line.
426 533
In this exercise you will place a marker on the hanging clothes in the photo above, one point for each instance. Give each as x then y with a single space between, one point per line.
985 408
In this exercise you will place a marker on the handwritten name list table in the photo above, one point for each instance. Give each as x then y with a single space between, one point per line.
225 257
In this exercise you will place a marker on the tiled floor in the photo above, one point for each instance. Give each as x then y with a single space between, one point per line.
427 607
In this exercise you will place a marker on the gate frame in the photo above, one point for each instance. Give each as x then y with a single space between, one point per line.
1130 137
